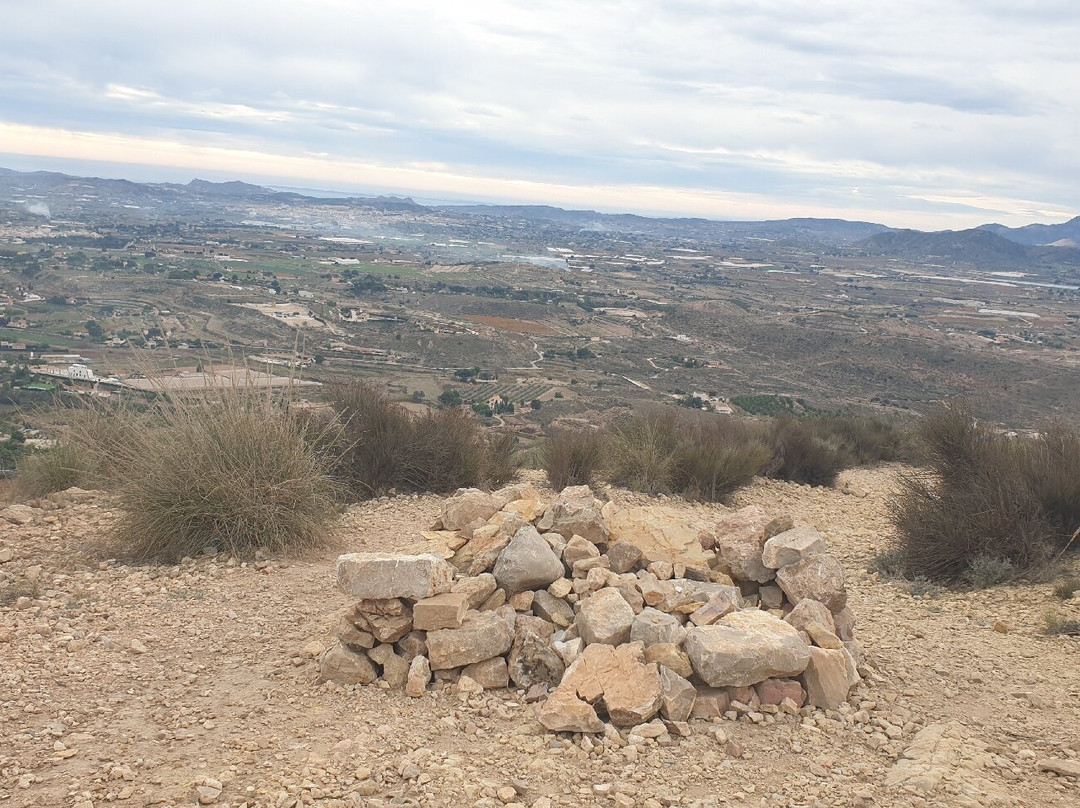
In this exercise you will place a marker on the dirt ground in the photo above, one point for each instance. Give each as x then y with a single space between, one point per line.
139 685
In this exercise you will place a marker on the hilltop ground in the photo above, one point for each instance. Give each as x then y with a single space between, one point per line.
136 684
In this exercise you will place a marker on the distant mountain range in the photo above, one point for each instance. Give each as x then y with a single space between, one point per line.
991 245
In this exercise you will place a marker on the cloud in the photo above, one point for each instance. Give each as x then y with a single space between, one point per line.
790 100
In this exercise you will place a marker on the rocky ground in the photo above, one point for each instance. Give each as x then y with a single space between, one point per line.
197 684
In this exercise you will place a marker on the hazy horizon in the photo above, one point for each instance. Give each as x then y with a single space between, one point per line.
939 115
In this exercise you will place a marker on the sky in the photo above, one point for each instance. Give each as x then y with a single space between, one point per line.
937 114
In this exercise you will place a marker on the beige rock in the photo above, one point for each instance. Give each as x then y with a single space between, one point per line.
677 696
661 534
466 507
552 609
348 634
578 549
384 575
822 637
617 679
528 509
826 678
669 655
576 512
346 667
605 617
522 601
492 673
6 555
412 645
820 577
772 597
419 675
443 543
395 671
482 635
792 546
653 626
1069 767
717 606
740 540
19 514
560 588
809 611
477 589
745 648
440 611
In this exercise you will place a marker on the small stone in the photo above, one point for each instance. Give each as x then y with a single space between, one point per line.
346 667
663 570
819 577
669 655
1065 768
826 678
1001 627
6 555
482 635
579 549
523 601
138 647
418 678
653 626
717 606
477 589
677 696
554 610
792 546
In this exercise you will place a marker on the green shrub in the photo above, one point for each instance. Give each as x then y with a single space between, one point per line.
715 455
1066 587
803 453
227 469
866 439
642 452
986 571
55 469
385 447
572 457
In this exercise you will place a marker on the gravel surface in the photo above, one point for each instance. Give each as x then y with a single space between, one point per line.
195 684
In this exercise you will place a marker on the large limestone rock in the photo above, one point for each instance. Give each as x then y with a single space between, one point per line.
792 546
386 619
826 678
482 635
740 540
653 626
613 680
346 667
576 512
661 534
605 617
419 675
385 575
527 562
819 577
477 589
555 610
443 543
745 648
468 506
669 655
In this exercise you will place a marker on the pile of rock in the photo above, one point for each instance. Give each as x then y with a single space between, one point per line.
617 614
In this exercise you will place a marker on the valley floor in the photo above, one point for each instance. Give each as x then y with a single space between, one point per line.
137 685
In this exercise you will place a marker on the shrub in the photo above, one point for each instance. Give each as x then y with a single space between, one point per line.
226 469
572 457
866 439
989 506
385 447
803 454
642 452
715 456
42 472
1066 587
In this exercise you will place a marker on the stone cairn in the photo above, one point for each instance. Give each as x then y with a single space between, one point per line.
603 613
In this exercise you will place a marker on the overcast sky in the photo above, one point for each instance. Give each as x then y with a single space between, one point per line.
931 114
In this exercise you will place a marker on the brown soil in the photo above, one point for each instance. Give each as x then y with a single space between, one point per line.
134 684
509 324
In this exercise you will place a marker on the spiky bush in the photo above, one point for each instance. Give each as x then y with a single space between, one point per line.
55 469
804 453
572 457
987 506
227 469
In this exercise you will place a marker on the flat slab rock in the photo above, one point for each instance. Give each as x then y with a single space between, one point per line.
945 762
386 575
661 534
